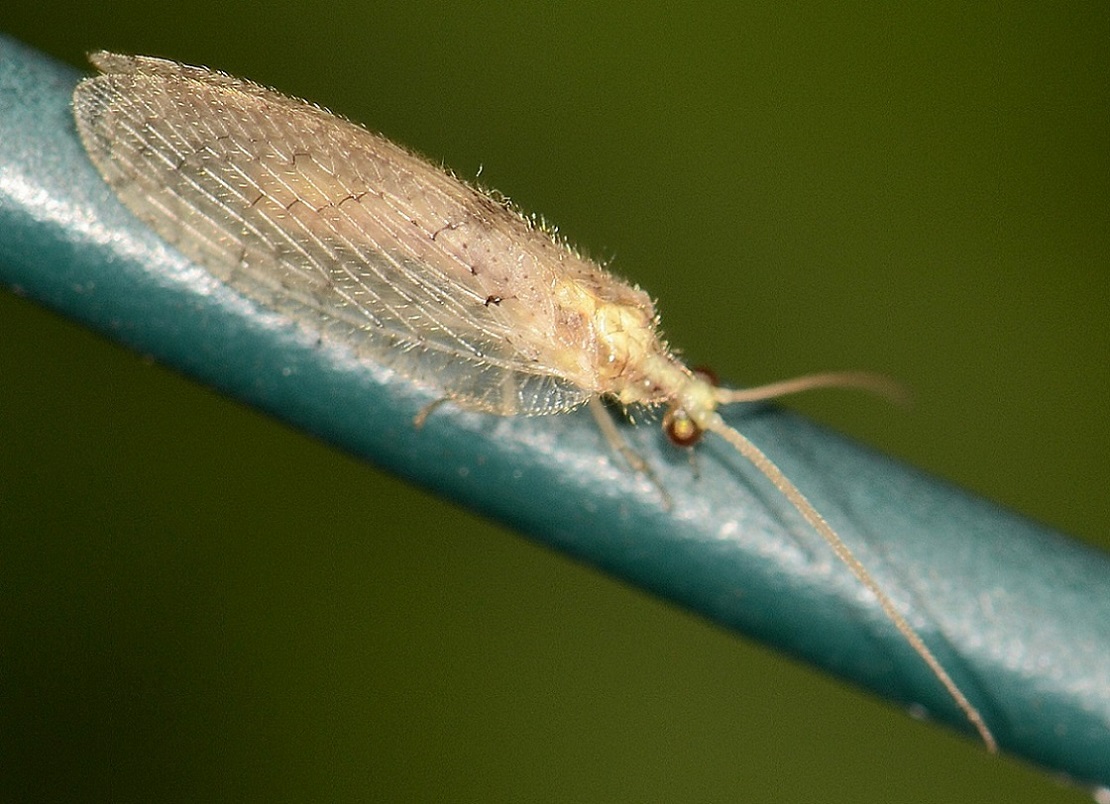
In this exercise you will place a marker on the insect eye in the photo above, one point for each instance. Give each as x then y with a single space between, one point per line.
707 374
680 428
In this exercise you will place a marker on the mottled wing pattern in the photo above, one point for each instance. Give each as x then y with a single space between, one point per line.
342 230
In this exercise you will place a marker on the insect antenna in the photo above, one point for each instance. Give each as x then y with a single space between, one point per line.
877 384
765 465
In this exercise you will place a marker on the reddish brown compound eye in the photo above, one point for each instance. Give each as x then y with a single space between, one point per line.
707 374
680 428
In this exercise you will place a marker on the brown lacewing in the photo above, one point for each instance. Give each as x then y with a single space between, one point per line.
366 243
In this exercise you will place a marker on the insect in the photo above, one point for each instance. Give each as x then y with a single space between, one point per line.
366 243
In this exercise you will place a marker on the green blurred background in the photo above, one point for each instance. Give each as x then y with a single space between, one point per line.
203 605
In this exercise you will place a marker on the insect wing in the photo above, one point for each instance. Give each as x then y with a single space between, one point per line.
340 229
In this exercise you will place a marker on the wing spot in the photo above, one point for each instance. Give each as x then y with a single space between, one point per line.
447 227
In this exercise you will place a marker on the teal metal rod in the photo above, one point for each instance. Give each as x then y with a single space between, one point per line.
1019 615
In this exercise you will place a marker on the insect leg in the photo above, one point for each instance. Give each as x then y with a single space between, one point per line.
618 443
426 411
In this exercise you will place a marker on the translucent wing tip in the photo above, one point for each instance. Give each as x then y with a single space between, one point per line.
107 62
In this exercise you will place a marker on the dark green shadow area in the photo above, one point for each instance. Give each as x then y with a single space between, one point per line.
1018 613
